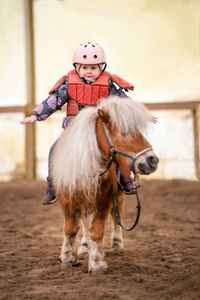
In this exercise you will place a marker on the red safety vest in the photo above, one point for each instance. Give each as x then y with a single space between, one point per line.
81 94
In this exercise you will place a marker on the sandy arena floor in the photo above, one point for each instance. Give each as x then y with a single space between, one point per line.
161 258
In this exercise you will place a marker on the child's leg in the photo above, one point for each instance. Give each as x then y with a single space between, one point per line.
49 196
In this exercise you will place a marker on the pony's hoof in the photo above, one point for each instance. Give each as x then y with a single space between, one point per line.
99 271
117 249
83 256
117 246
67 263
83 252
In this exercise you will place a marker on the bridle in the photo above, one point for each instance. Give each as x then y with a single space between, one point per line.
112 159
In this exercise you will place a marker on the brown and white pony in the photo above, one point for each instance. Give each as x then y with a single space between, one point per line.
80 156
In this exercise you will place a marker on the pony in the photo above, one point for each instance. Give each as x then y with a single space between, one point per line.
83 152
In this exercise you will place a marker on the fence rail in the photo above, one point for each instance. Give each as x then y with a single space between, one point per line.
194 106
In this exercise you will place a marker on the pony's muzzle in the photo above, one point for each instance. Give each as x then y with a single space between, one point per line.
147 164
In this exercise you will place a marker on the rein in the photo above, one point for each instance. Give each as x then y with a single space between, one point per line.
111 159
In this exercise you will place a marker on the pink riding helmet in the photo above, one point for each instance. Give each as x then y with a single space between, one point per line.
89 53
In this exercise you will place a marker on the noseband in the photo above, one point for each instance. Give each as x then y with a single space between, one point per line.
112 159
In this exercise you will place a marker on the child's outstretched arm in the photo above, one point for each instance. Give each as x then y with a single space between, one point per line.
154 119
30 119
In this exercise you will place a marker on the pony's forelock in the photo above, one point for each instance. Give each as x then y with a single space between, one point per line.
126 115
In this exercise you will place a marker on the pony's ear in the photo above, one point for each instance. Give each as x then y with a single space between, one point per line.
104 116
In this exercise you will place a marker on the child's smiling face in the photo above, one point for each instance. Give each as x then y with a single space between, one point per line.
89 72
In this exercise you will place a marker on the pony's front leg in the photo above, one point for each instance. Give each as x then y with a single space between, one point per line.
68 254
117 242
97 264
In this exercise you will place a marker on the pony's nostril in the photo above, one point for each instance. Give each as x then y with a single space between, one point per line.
143 168
152 161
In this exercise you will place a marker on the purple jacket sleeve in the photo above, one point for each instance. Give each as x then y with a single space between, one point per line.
118 92
53 103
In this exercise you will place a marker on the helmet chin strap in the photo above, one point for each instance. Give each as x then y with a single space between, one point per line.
105 65
75 67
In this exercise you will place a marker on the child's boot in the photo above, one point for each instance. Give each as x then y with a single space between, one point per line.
49 196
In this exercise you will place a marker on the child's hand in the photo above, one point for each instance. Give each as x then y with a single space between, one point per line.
154 119
31 119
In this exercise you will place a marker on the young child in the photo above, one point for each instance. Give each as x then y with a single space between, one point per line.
84 85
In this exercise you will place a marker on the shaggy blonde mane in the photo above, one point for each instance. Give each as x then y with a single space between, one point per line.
126 115
76 161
